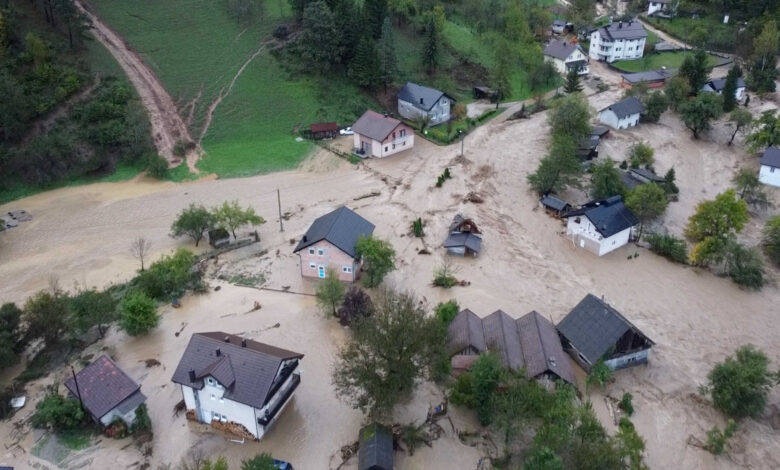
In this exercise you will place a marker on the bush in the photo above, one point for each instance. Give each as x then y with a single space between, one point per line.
179 148
462 393
357 304
640 155
57 412
668 246
170 276
745 267
139 314
156 166
771 239
259 462
142 424
739 386
600 374
716 439
417 228
446 311
626 404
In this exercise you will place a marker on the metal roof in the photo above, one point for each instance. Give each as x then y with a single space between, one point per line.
341 227
649 76
464 331
501 336
102 385
324 127
374 125
375 451
720 83
648 174
420 96
609 216
560 49
623 30
771 157
627 107
468 239
554 203
542 350
593 327
253 365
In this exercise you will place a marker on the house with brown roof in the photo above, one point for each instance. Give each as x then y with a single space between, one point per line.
236 384
106 392
529 343
379 135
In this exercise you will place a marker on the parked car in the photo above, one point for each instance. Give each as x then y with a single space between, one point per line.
346 131
282 465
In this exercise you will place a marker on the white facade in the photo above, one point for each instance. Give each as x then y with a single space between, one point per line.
611 119
439 112
128 418
560 64
769 175
402 138
585 235
653 7
601 48
628 360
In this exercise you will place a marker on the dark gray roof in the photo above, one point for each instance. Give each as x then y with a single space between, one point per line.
132 402
554 203
629 181
719 83
341 227
501 336
375 451
649 76
771 157
590 142
609 216
599 131
465 330
648 174
542 350
593 327
374 125
470 240
560 49
559 22
627 107
623 30
248 371
420 96
103 386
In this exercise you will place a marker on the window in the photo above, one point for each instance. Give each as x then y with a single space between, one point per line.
320 251
346 269
402 133
311 251
393 146
210 381
393 135
771 169
385 148
313 265
213 397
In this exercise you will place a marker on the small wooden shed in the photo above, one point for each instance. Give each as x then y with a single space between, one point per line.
375 450
554 206
323 130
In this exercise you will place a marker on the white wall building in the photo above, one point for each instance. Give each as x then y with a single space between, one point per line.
661 7
564 56
618 41
378 135
236 384
601 226
717 86
623 114
415 101
770 167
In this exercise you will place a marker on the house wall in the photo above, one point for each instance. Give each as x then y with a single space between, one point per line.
609 118
557 63
653 7
587 237
769 175
315 265
395 142
232 410
128 418
620 49
628 360
273 402
560 65
439 113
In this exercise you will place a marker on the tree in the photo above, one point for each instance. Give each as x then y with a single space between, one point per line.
387 353
572 81
319 39
90 308
730 89
669 182
374 15
431 54
357 304
668 246
139 248
641 155
766 133
46 315
770 240
739 385
364 69
485 373
647 202
677 91
169 276
698 113
749 188
11 341
446 311
655 105
581 13
388 62
570 117
139 314
262 461
330 292
694 70
600 374
543 459
558 169
606 181
502 71
230 216
347 18
763 62
57 412
714 225
378 258
744 266
742 121
194 222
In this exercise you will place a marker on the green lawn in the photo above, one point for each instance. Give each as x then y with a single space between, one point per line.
707 31
671 60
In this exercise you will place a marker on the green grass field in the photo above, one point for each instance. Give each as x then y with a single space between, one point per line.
671 60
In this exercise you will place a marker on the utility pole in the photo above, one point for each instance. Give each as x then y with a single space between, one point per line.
279 204
462 138
78 391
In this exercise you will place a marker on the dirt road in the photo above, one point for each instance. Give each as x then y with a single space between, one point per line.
168 128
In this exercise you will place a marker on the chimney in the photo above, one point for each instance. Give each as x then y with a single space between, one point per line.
219 352
421 101
192 375
620 25
243 343
227 339
305 238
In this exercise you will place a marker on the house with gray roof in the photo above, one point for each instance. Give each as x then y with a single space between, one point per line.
717 86
624 40
528 343
329 243
623 114
662 8
106 392
558 26
770 167
236 384
594 330
464 237
601 226
651 78
379 135
565 55
416 101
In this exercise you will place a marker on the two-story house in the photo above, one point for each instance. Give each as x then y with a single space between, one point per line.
379 135
236 384
623 114
601 226
330 243
618 41
416 100
566 56
769 173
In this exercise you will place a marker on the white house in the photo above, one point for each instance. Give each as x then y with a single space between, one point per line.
416 100
717 86
235 384
618 41
558 26
564 56
663 8
770 167
378 135
601 226
623 114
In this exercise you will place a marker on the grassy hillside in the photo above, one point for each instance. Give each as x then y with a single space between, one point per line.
670 60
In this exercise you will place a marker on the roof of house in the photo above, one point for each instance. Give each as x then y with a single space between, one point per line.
554 203
609 216
465 330
590 142
501 336
648 174
560 49
665 46
374 125
375 448
246 370
623 30
102 386
649 76
594 326
771 157
463 224
599 131
324 127
720 83
420 96
341 227
559 22
627 107
470 240
542 350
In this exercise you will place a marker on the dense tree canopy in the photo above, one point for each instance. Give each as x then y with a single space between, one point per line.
739 385
714 226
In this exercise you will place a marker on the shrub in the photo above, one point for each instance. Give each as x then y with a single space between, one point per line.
668 246
357 304
57 412
156 166
739 385
378 259
771 239
330 293
716 439
142 424
640 155
259 462
744 266
179 148
600 374
139 314
462 393
626 404
444 277
170 276
417 228
446 311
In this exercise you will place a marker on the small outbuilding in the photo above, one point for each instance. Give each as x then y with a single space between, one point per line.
464 237
554 206
651 78
485 93
623 114
323 130
375 448
770 167
719 84
558 26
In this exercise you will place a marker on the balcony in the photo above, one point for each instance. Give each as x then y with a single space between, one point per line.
286 394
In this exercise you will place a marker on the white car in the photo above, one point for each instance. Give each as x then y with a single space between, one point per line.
346 131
